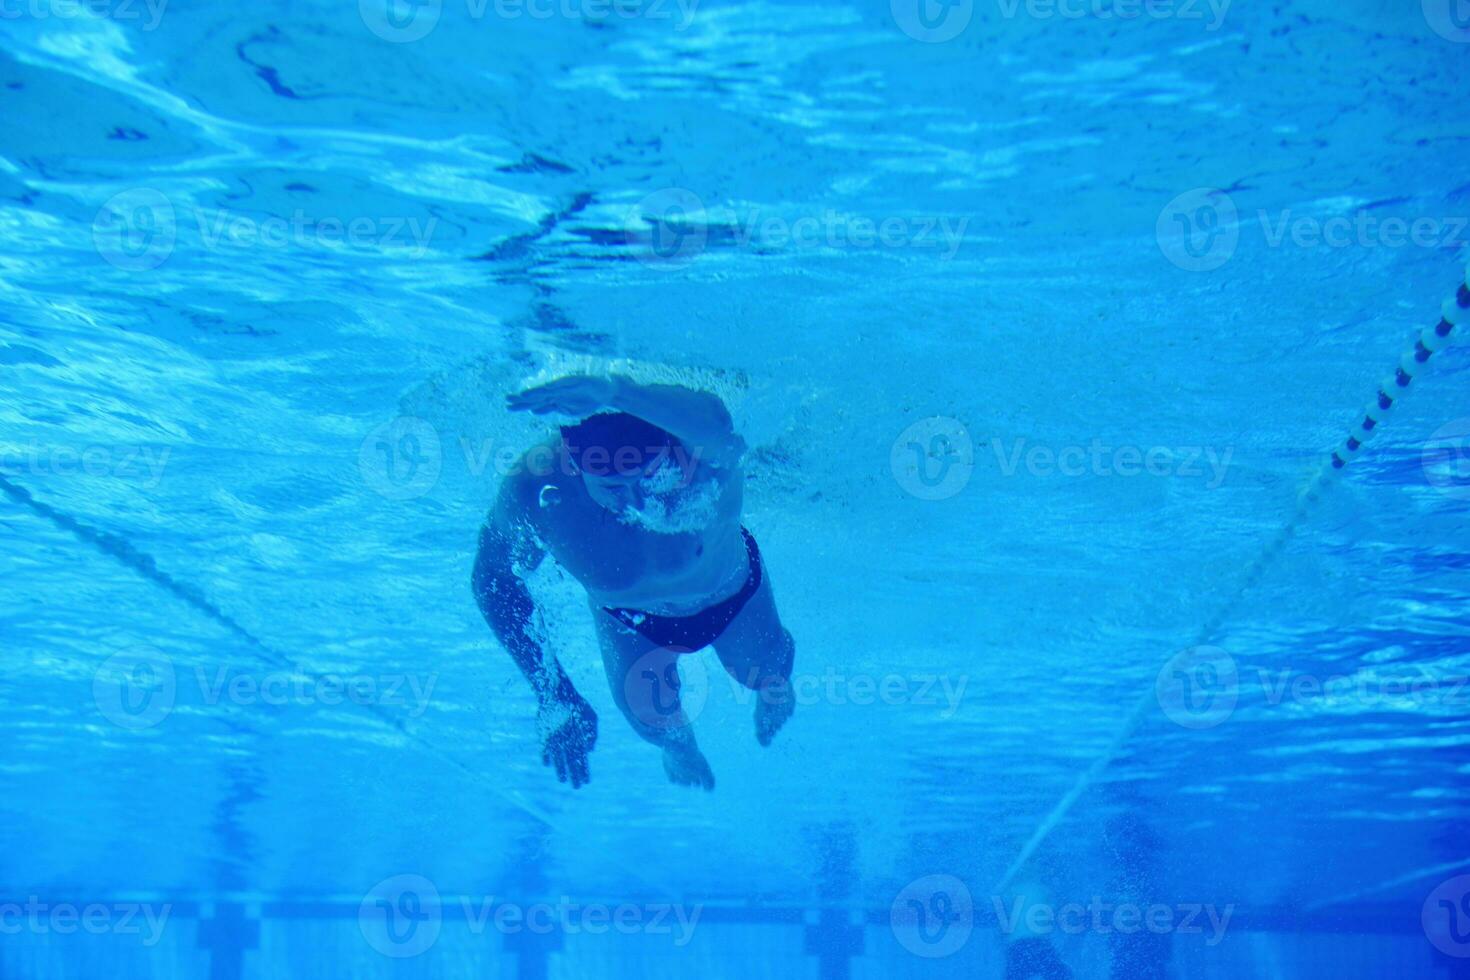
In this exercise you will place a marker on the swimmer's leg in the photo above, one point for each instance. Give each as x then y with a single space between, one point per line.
759 653
644 679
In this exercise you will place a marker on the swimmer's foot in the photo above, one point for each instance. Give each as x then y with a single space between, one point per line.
687 766
773 706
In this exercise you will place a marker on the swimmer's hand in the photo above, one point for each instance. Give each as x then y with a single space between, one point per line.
568 730
578 396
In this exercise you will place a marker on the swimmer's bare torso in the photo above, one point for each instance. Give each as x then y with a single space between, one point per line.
658 545
616 557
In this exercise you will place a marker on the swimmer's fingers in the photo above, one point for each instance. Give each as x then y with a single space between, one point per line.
577 768
578 395
573 384
585 745
528 399
565 748
519 403
549 404
570 760
559 757
536 406
551 755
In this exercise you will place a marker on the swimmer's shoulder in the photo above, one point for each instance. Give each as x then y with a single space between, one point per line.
515 501
536 492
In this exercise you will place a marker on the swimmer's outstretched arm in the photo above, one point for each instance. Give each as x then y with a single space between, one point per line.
699 419
565 721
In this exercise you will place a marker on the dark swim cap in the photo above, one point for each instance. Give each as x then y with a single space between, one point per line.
616 444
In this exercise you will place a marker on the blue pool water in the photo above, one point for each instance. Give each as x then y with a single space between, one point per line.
1038 320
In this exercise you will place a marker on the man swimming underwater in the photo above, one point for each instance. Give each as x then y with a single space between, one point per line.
640 502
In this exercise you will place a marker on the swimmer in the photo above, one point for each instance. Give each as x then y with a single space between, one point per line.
639 500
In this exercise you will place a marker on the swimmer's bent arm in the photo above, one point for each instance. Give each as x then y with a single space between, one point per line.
566 722
699 419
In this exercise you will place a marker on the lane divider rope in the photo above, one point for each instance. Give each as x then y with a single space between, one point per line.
1408 877
1455 314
